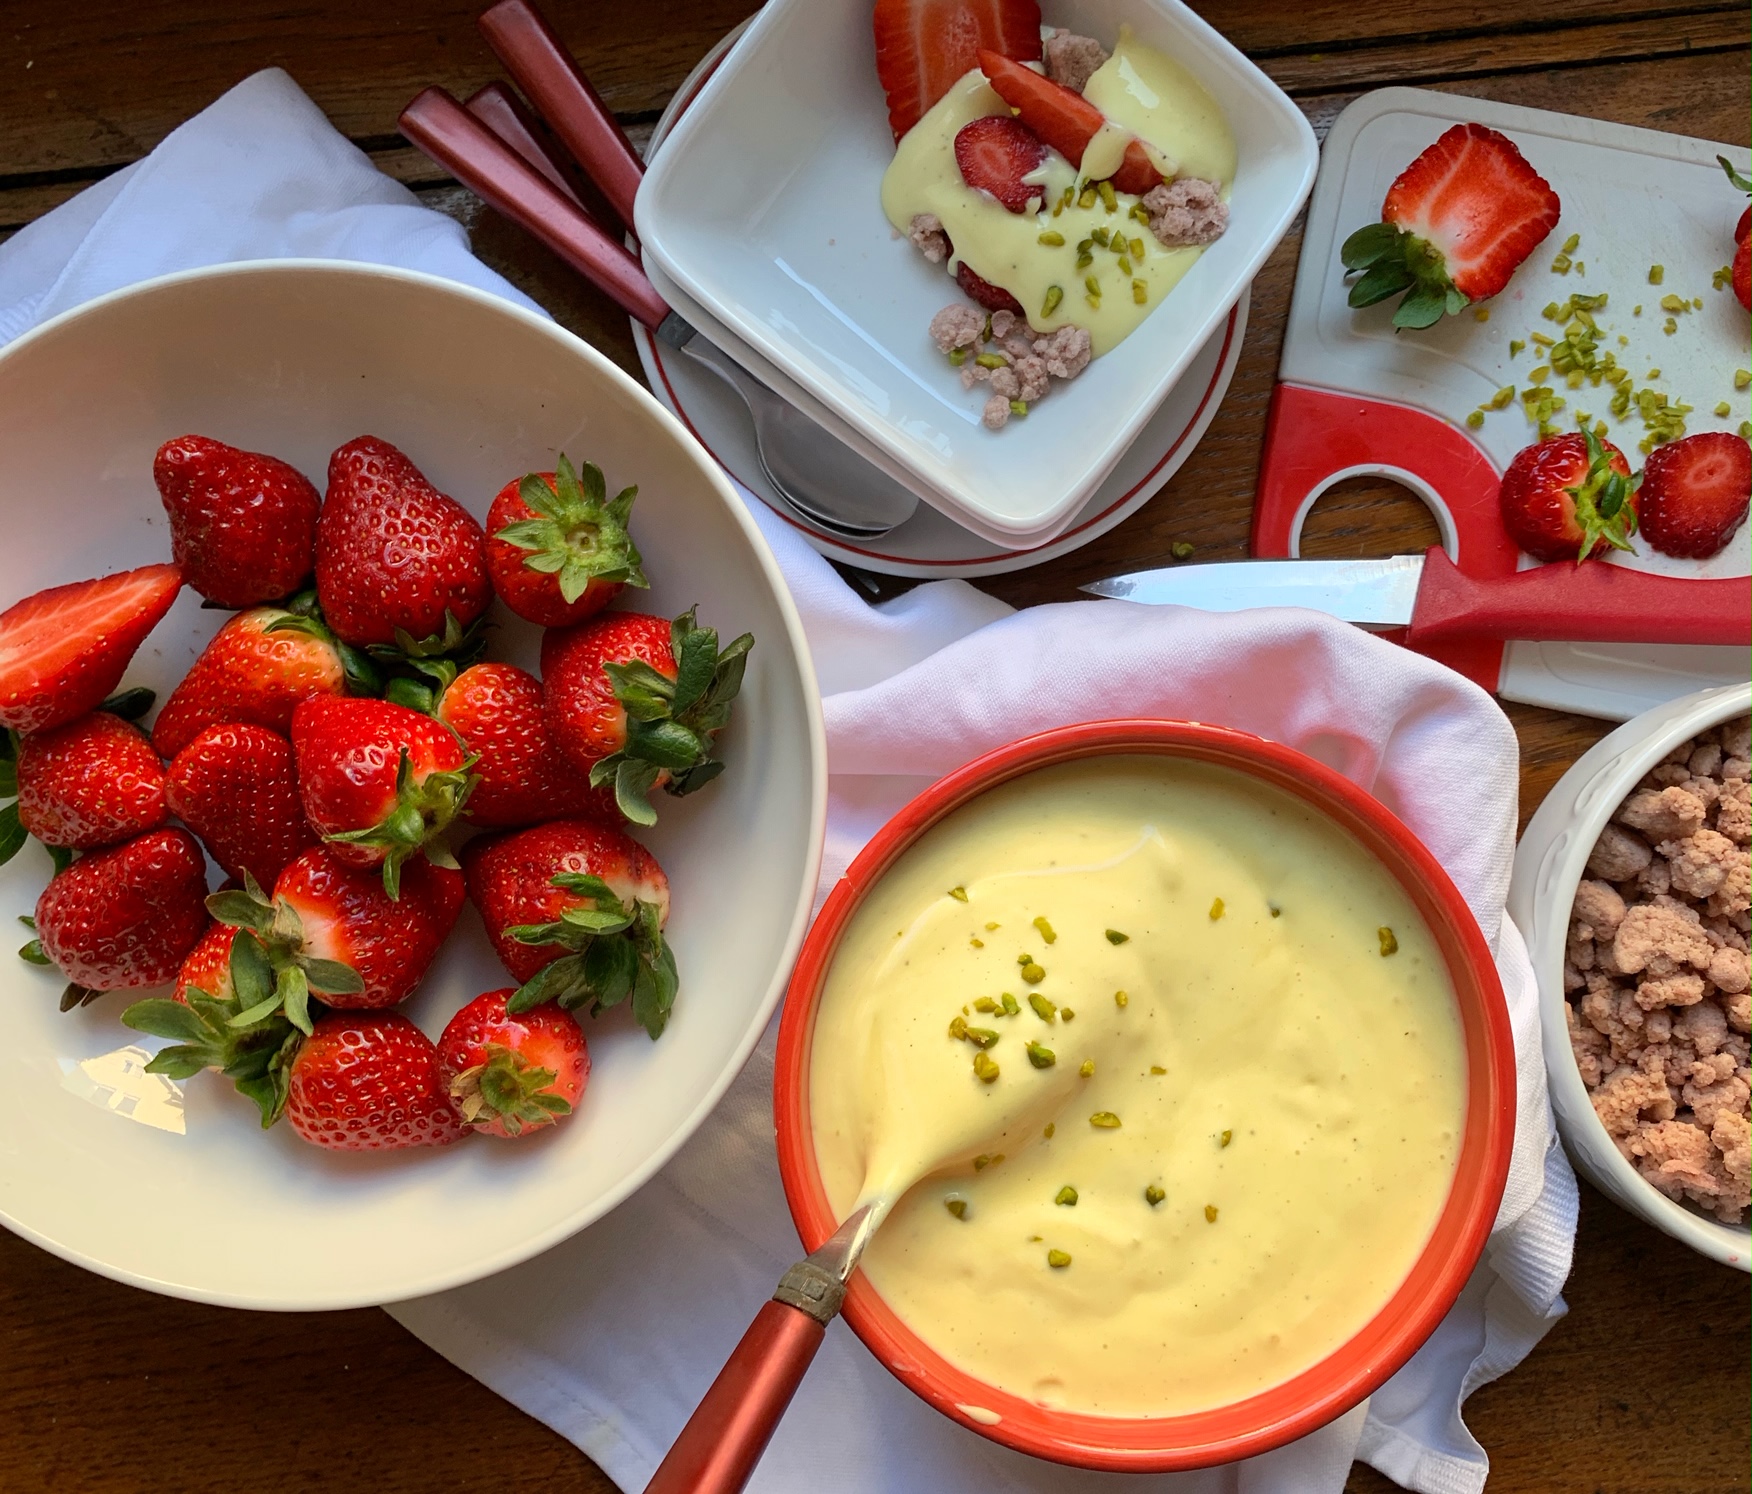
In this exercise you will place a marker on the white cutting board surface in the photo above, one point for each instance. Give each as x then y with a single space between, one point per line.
1636 198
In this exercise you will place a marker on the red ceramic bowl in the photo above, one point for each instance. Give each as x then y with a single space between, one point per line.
1351 1372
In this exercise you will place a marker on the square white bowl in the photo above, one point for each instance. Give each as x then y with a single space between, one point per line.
764 207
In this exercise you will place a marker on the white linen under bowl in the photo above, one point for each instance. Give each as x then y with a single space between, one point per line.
764 207
295 358
1549 863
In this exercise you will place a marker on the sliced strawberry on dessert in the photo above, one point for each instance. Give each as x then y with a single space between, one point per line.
369 1081
242 524
576 912
636 701
1569 497
510 1075
1456 224
1064 120
123 918
62 651
924 47
992 297
235 787
397 562
996 155
94 782
558 548
256 671
1695 493
522 779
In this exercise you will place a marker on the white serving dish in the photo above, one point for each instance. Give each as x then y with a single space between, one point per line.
295 358
1549 863
764 208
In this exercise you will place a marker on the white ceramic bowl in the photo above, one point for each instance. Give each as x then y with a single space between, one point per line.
1549 864
295 358
763 206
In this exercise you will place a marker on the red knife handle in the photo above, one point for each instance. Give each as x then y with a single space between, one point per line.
508 117
522 39
729 1430
479 159
1588 603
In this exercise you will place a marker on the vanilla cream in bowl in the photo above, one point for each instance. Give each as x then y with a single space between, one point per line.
1192 1080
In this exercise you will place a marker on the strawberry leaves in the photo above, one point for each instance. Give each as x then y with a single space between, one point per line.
1391 261
205 1034
1602 499
615 950
671 722
579 534
422 810
271 974
507 1088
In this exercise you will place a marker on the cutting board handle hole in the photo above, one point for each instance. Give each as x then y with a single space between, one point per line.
1363 512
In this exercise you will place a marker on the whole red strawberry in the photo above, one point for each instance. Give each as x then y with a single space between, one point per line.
506 1075
925 47
1063 119
559 550
366 1082
1742 273
576 912
235 787
93 782
1695 493
124 917
380 782
1569 498
996 154
256 670
393 554
62 651
637 701
242 525
521 777
1455 226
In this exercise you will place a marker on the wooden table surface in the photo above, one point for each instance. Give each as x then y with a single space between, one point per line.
105 1389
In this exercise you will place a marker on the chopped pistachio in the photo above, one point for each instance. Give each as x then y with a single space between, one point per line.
1181 550
1046 929
1052 238
1009 1004
1657 273
1058 1259
1087 1068
1125 265
1109 199
1274 910
1225 1138
1742 377
1140 212
1086 198
1140 292
956 1206
987 360
1099 236
959 893
1516 346
1723 409
1043 1008
1482 314
1721 279
1157 1068
1653 373
1033 974
1503 397
1050 1128
1041 1057
1137 250
1745 429
1560 264
985 1160
1054 295
1092 285
1153 1195
1066 1197
1114 936
1389 942
957 356
980 1037
1120 999
985 1004
1216 909
1475 419
1093 302
1572 243
1104 1120
1084 259
958 1028
1669 327
1674 303
1066 1014
985 1067
1018 407
977 942
1210 1213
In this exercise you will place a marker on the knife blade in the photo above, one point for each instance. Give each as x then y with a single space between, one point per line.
1427 594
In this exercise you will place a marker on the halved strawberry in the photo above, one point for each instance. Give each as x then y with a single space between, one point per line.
1064 120
1695 493
1456 224
63 650
992 297
995 154
924 46
1569 497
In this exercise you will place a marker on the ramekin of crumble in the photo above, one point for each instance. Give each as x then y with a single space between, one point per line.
1630 884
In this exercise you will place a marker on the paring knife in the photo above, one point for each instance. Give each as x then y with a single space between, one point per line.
1428 595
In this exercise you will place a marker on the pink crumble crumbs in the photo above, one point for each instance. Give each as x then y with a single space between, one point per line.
1018 366
1186 211
926 233
1071 60
1655 975
957 326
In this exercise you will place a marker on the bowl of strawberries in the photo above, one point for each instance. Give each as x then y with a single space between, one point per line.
417 784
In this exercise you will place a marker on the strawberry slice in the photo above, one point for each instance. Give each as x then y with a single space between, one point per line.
1064 120
1695 493
1456 224
977 288
924 46
995 155
62 651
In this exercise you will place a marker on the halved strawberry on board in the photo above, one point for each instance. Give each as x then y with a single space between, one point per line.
924 46
1064 120
1456 224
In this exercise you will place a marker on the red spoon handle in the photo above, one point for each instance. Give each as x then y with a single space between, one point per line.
521 37
1589 603
502 112
479 159
730 1428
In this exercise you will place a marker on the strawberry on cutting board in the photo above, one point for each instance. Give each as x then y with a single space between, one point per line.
924 46
995 155
1569 498
62 651
636 701
235 787
242 524
394 556
1695 493
510 1075
1456 224
558 547
93 782
369 1081
1064 120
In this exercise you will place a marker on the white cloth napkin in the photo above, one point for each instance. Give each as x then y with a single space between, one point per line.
612 1337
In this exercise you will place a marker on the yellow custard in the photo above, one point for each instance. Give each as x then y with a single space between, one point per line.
1144 93
1289 1100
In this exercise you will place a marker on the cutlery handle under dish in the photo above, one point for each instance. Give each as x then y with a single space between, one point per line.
542 67
729 1430
478 158
1588 603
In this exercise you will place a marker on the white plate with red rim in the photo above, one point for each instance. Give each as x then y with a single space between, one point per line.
175 1187
929 544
